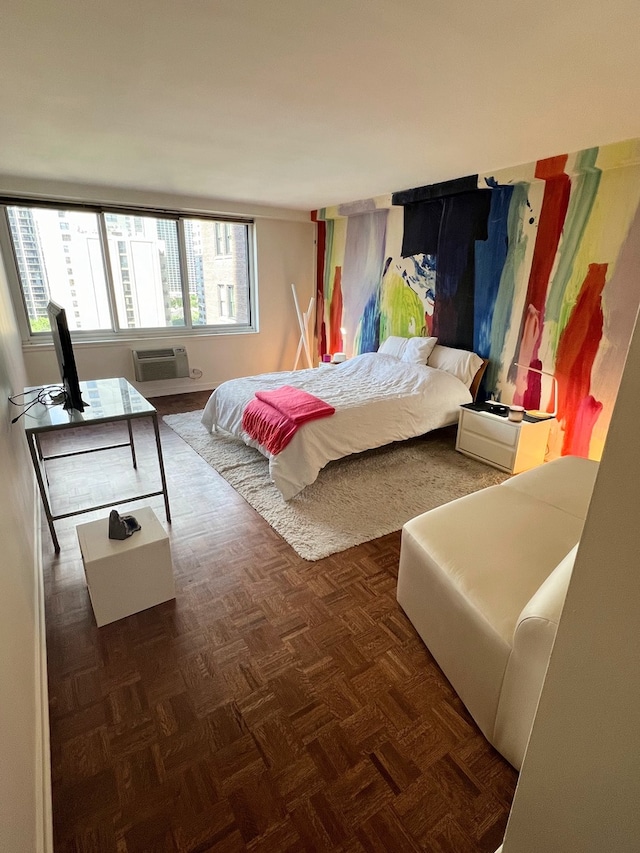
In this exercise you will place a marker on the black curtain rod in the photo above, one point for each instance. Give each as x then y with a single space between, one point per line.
433 191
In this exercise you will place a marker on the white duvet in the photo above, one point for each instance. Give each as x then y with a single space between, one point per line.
378 399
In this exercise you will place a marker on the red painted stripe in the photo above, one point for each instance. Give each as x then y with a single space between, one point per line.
550 224
578 439
321 243
577 349
551 167
335 313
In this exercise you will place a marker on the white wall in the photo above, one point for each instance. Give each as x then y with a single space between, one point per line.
579 789
285 242
23 701
285 254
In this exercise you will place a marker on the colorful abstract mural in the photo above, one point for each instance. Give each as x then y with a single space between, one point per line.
537 265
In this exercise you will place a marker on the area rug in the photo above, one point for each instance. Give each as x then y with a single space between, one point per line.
354 500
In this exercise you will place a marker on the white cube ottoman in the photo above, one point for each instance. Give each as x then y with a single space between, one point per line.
129 575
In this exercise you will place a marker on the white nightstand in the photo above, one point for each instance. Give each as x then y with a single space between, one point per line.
509 446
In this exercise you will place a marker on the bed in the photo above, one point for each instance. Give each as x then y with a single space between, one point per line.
379 398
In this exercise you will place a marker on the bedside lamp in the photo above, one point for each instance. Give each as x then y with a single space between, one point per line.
537 413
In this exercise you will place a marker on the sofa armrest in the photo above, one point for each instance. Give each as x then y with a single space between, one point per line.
533 640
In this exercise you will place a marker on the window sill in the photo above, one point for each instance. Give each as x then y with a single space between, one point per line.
81 339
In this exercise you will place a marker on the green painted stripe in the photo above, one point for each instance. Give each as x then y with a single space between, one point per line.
564 291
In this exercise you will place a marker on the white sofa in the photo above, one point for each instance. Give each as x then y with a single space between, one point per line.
483 580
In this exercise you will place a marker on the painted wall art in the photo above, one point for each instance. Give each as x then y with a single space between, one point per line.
537 265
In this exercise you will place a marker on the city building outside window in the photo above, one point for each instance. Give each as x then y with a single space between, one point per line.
131 271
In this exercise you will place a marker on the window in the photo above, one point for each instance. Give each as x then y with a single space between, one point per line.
131 270
223 238
226 301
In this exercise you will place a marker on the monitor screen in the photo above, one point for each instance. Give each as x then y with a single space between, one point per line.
66 359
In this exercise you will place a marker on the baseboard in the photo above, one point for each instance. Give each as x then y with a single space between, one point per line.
43 817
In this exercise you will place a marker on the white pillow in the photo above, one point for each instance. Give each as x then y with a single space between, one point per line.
418 350
393 345
459 362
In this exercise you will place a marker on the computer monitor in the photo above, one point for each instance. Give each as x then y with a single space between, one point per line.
65 356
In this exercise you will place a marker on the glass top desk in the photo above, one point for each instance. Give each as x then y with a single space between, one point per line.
108 400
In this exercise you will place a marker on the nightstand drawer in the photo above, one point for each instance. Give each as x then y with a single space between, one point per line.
498 453
489 427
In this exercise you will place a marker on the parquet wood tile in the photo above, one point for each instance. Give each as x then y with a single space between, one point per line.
276 705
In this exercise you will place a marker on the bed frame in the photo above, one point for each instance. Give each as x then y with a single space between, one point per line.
477 379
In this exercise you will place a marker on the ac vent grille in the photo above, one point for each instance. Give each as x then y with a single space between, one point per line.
156 353
155 364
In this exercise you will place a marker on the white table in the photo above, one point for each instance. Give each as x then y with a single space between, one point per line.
125 576
109 400
504 444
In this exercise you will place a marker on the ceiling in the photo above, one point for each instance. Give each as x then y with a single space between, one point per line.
303 104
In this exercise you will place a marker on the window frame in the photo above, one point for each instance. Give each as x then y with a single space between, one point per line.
117 334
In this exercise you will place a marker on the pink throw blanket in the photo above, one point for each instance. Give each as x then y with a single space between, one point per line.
274 417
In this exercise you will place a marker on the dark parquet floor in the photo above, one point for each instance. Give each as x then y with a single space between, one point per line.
276 705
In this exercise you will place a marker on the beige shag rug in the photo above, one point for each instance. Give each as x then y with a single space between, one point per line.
355 499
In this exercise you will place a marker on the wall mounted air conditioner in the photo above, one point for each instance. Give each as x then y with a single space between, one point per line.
168 363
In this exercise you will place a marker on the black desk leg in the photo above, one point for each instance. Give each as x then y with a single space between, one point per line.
154 417
34 449
133 449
